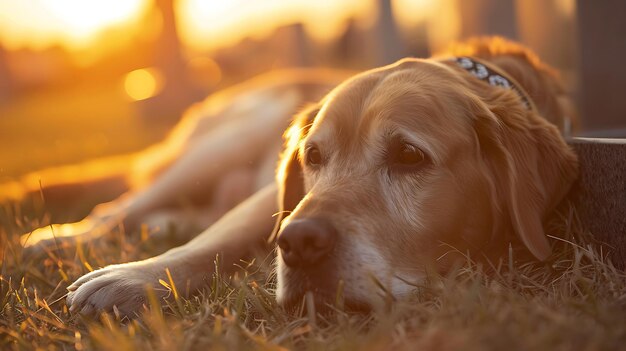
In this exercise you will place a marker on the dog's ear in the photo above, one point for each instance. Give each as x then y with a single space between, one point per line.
531 165
289 175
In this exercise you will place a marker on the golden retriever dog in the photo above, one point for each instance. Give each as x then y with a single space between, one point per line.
396 171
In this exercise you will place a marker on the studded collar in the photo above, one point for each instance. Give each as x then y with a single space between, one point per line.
493 76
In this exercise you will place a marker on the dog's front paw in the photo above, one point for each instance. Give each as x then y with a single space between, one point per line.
123 286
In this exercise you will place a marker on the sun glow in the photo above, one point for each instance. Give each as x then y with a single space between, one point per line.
441 17
80 25
410 12
211 24
202 24
74 24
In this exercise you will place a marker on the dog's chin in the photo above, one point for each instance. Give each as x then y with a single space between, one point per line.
298 290
319 287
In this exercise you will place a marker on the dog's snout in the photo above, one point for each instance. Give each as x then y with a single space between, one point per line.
305 242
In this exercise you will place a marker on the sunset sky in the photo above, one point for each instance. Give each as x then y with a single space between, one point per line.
77 24
74 24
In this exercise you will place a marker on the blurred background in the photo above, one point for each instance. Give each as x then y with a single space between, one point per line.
89 78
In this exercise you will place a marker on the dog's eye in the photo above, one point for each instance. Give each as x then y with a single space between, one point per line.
313 156
405 156
409 155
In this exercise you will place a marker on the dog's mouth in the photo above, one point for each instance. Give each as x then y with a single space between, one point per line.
318 290
323 302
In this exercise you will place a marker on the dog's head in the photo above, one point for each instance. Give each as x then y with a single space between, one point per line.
406 168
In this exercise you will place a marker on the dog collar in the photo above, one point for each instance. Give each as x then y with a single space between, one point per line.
493 76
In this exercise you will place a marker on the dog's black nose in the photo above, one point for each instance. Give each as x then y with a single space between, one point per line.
304 242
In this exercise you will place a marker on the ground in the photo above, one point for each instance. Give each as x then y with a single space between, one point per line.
576 301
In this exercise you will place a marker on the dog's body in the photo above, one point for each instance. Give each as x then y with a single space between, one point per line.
396 171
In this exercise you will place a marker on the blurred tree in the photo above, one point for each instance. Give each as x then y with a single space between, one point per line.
5 76
303 53
353 49
169 54
487 17
178 91
290 46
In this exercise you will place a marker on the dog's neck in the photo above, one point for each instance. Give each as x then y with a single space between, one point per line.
494 76
533 82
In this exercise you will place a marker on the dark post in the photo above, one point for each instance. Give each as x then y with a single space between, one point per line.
602 31
550 31
600 193
390 47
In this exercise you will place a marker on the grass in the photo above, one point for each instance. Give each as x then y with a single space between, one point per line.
71 124
577 301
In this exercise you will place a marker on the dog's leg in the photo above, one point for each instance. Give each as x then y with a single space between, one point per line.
182 224
237 233
237 143
66 193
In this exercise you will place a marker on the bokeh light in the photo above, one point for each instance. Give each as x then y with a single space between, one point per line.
143 83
